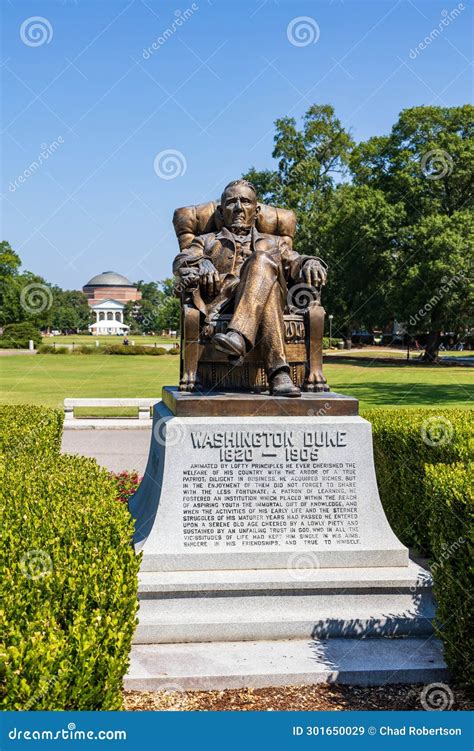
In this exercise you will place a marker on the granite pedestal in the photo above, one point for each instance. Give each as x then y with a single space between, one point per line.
268 527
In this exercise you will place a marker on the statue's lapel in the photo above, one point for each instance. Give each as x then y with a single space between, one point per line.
224 234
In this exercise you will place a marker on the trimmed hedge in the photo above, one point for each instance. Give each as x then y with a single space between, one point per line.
31 430
404 441
449 488
68 591
108 349
130 349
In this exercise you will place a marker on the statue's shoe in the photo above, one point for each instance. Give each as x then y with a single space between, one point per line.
231 343
282 385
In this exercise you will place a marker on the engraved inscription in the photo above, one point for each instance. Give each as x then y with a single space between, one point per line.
270 489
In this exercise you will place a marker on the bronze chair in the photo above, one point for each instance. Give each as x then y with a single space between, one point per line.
202 366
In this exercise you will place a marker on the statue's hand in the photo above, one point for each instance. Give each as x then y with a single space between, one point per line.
188 277
314 273
209 278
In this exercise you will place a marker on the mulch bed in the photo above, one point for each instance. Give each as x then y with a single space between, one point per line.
289 698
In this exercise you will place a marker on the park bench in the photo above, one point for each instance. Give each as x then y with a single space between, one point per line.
143 405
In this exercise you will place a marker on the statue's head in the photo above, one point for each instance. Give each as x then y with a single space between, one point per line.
239 208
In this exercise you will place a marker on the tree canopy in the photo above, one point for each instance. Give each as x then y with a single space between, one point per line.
392 216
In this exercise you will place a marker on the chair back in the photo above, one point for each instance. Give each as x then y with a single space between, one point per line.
190 221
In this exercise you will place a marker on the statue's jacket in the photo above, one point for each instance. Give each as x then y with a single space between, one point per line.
221 248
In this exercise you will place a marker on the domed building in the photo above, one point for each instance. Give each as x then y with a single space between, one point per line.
107 294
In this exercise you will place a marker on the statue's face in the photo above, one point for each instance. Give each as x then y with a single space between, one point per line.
239 208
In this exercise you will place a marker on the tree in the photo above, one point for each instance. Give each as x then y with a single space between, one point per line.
70 310
426 166
360 246
309 161
158 309
397 234
10 263
352 229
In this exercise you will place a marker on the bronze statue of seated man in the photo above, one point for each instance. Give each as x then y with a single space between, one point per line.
247 272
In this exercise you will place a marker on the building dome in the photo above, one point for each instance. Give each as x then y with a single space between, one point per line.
109 279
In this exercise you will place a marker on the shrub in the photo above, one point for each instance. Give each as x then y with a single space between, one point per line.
60 351
26 429
155 351
174 350
124 349
404 441
68 589
334 342
45 349
134 349
84 349
451 533
126 483
18 335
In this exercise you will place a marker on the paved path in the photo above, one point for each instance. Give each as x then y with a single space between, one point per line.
115 449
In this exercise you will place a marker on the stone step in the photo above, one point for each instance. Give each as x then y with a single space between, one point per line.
270 615
220 665
284 604
411 577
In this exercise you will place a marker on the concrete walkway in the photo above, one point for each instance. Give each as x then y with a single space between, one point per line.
114 449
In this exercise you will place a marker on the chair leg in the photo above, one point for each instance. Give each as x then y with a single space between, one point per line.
190 349
315 380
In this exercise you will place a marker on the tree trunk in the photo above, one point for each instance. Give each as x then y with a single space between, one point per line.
432 346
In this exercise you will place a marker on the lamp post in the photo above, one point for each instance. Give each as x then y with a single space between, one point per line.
330 330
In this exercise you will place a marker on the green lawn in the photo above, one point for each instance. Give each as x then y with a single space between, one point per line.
48 379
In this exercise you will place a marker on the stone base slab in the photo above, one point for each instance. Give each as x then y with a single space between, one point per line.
230 404
224 665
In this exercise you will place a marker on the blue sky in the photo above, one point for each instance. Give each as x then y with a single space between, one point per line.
83 84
